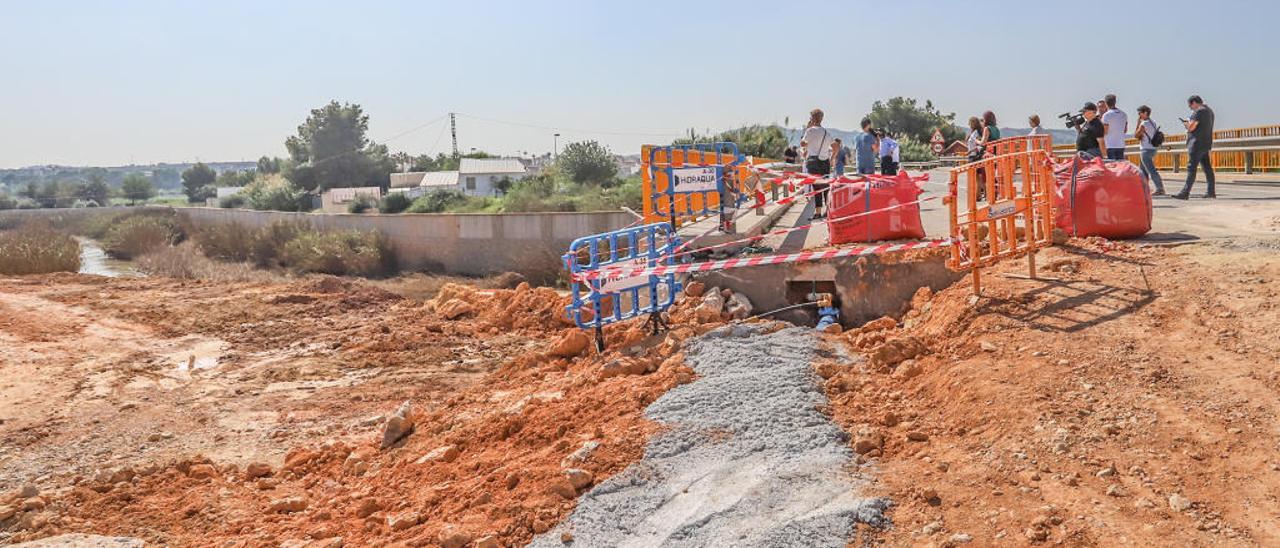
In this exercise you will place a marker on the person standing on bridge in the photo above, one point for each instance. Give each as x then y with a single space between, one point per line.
840 154
1034 121
1146 130
817 143
865 148
889 154
1090 136
990 129
971 142
1116 124
1199 145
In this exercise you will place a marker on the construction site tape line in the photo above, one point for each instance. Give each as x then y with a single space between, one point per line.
726 264
828 220
743 211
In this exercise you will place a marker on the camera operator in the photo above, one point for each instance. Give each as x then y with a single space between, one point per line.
1090 136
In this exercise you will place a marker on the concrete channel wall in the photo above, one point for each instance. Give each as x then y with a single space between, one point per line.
467 243
866 287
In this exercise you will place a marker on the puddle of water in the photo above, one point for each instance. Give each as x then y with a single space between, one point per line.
201 356
93 260
193 363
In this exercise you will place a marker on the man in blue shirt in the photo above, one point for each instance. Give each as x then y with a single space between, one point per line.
841 156
865 148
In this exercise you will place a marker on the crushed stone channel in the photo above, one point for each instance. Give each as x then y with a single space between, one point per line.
748 459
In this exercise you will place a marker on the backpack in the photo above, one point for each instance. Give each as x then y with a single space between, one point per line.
1157 138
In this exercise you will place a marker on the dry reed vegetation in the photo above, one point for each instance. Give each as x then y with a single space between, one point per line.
36 248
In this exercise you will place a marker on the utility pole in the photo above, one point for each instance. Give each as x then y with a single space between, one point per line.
555 145
453 129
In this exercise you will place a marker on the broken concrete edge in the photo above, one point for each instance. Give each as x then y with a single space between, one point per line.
707 233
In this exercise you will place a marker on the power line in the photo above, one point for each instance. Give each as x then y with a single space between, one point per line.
388 140
453 128
573 130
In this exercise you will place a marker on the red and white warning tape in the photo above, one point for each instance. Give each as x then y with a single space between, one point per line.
682 251
805 256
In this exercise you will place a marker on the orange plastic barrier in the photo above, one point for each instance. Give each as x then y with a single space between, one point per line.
1014 216
886 195
1021 143
1107 199
690 207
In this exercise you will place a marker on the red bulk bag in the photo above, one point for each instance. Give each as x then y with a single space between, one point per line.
1107 199
849 200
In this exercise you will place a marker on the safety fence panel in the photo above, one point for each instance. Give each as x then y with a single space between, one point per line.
1005 211
598 302
683 183
1021 143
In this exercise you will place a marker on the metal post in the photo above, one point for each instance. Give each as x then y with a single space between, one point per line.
1248 162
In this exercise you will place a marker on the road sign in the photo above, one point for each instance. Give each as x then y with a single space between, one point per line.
938 143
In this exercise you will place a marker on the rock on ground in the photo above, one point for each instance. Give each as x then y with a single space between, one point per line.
78 540
776 472
399 425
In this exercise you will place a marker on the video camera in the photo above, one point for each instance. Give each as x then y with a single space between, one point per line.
1074 120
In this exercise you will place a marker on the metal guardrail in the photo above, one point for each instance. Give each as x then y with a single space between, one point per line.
1246 150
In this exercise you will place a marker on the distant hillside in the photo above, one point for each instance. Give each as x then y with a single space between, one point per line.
165 176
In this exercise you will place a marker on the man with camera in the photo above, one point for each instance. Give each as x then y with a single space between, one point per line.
1090 134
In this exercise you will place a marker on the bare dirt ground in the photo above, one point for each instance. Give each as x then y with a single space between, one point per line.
193 414
1135 402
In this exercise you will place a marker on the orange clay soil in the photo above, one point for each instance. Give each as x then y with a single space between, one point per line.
1098 411
280 440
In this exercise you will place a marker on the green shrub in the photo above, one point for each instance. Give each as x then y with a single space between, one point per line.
395 202
276 193
236 243
36 249
267 244
361 204
7 202
133 235
96 225
230 242
344 253
234 201
437 201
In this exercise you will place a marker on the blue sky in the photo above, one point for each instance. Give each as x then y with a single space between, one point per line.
106 83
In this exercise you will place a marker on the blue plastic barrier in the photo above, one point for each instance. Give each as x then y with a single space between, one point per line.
612 301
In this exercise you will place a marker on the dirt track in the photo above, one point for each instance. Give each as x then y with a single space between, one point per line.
1119 406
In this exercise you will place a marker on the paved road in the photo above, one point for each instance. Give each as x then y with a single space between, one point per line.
1245 208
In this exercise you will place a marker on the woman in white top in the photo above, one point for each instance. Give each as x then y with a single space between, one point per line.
817 141
975 135
1146 130
1034 120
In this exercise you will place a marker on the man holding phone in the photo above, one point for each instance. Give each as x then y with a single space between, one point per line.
1199 144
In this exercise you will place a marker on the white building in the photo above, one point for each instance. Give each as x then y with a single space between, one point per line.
335 200
224 191
475 177
419 183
